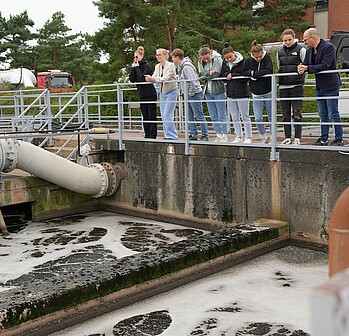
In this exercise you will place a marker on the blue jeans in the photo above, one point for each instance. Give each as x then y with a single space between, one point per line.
195 110
218 112
328 109
167 107
258 105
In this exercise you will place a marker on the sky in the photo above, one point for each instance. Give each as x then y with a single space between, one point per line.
80 15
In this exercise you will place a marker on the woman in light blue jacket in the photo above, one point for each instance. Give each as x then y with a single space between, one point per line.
210 65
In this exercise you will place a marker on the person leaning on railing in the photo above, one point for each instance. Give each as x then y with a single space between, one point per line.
147 93
188 73
165 75
288 57
256 67
321 56
209 68
237 93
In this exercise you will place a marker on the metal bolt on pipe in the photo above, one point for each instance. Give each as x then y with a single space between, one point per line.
96 179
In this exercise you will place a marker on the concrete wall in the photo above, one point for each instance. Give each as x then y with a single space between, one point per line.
215 186
226 185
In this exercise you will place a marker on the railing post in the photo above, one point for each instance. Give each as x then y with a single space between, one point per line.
47 100
120 108
187 150
86 115
17 113
274 155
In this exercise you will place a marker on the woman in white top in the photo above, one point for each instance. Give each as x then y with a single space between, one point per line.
165 71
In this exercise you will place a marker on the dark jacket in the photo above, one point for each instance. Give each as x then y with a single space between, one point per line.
289 58
324 59
137 76
259 85
236 88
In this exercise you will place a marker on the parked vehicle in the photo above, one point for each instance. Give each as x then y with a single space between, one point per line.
18 78
340 39
55 80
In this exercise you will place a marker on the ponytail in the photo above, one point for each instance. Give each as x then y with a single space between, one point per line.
256 47
227 49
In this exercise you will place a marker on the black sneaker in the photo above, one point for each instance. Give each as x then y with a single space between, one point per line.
319 142
192 137
204 138
337 143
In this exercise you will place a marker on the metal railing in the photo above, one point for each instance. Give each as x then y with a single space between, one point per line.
40 114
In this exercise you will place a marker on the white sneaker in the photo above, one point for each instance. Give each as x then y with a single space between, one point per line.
297 141
218 137
248 140
224 138
287 141
264 139
237 140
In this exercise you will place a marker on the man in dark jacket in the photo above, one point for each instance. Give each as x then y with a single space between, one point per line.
319 57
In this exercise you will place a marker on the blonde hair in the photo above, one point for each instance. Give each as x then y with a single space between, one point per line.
163 51
140 51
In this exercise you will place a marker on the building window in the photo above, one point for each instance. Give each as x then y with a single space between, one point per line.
321 5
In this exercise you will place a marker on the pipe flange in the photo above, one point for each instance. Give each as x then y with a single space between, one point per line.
8 155
104 177
113 182
119 168
115 173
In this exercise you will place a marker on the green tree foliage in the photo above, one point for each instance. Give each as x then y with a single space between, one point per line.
190 24
15 33
277 15
57 48
152 23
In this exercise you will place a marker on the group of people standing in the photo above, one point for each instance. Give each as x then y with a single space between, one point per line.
234 94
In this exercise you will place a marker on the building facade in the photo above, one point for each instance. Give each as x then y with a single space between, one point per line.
329 15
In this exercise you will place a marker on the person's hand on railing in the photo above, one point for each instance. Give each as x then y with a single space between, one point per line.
302 68
149 78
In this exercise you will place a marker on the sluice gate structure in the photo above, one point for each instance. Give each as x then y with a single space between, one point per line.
253 198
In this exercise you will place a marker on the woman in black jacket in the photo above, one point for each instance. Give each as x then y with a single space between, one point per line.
237 93
146 92
257 66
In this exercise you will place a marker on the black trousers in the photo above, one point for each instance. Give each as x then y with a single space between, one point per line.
148 111
292 108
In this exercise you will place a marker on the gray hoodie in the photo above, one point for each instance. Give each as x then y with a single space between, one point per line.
186 70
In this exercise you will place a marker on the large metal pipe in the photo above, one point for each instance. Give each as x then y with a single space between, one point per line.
96 180
339 235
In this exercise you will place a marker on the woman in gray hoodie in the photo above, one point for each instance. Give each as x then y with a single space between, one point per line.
209 66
